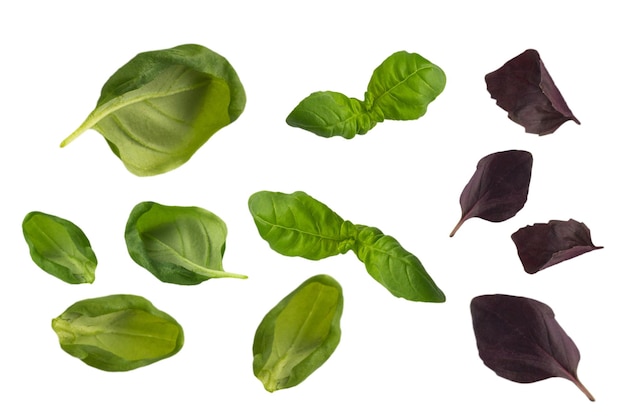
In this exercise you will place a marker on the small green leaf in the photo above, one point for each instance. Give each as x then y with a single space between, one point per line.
180 245
118 332
157 110
394 267
59 247
298 225
299 334
401 88
404 85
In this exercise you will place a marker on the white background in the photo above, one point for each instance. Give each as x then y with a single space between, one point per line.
396 357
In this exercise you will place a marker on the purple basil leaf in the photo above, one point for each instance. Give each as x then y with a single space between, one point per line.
526 91
519 339
545 244
498 189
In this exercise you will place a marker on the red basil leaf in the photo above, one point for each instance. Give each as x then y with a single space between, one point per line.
519 339
545 244
498 189
526 91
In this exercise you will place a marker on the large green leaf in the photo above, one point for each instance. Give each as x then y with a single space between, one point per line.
157 110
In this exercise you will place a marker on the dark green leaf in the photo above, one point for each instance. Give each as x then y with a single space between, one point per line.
59 247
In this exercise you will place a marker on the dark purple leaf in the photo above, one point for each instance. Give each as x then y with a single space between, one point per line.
545 244
519 339
498 189
526 91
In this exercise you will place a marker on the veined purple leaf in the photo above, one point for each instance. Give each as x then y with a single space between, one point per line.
498 189
520 340
545 244
523 87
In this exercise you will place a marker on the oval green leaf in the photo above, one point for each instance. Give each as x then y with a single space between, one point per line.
394 267
118 332
299 334
180 245
60 248
298 225
157 110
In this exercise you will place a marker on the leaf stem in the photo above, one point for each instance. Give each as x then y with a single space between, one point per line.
458 225
583 389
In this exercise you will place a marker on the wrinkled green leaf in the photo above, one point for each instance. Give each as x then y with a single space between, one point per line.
299 334
401 88
180 245
157 110
59 247
298 225
118 332
394 267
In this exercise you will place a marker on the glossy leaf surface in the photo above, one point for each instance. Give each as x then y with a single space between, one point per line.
545 244
498 189
394 267
118 332
157 110
520 340
401 88
298 225
523 87
180 245
299 334
60 248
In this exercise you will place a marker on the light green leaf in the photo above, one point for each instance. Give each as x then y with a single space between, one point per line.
118 332
59 247
180 245
298 225
157 110
299 334
394 267
333 114
404 85
401 88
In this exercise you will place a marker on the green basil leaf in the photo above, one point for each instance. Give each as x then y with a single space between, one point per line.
299 334
400 89
403 86
118 332
327 114
59 247
394 267
157 110
180 245
298 225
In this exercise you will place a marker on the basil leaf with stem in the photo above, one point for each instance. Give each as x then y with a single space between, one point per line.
60 248
118 332
394 267
298 225
180 245
400 89
157 110
299 334
520 340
